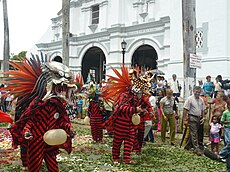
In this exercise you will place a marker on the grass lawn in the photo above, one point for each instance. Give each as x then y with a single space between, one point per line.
155 157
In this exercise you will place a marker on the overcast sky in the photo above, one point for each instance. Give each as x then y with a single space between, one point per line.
28 21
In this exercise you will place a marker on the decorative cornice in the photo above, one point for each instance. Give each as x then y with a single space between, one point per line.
146 28
96 37
153 24
88 7
116 29
150 27
215 59
85 9
136 4
48 45
104 3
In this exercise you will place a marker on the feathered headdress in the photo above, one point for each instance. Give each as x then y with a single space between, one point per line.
39 78
125 82
117 85
23 82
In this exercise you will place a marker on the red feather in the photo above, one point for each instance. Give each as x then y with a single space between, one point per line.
4 117
22 80
117 85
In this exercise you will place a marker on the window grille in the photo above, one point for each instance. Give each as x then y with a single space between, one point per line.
95 14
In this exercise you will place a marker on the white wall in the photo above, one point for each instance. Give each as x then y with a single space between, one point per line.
123 13
215 14
228 28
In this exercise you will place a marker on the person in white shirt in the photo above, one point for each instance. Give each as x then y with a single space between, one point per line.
175 86
194 108
152 101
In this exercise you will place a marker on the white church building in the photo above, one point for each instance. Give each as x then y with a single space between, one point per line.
152 30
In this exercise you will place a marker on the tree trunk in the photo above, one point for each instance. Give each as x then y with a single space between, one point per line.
189 44
6 51
65 31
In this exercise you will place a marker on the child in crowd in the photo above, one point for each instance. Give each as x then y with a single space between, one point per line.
79 106
214 134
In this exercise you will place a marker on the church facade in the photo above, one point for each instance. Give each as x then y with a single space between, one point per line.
152 31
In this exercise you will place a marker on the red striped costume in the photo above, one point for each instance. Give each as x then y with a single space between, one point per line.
41 86
23 152
139 136
38 119
123 128
125 91
96 120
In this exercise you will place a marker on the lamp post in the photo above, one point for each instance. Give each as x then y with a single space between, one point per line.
123 46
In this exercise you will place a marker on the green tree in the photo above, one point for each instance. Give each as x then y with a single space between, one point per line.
20 55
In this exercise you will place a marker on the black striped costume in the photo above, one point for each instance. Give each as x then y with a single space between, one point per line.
38 119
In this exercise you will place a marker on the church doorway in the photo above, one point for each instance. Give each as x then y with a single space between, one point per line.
93 65
145 56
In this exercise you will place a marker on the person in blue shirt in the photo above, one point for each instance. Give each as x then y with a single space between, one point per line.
79 106
208 87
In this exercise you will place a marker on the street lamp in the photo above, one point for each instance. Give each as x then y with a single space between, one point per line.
123 46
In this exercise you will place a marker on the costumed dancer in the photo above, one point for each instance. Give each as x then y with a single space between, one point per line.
123 91
16 111
96 112
44 124
144 116
147 113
